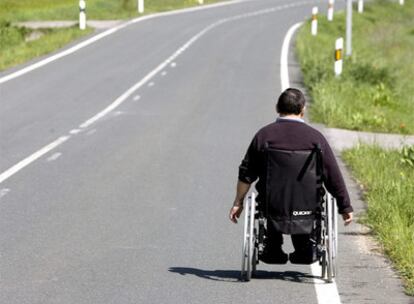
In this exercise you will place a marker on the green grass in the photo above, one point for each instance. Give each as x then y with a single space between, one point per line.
23 10
15 50
376 90
387 179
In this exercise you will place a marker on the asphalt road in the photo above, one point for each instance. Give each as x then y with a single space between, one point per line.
133 208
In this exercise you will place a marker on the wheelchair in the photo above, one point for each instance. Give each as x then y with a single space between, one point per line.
324 217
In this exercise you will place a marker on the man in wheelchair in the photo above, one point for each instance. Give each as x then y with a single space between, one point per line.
293 163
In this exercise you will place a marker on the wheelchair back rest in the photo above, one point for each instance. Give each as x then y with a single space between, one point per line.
293 183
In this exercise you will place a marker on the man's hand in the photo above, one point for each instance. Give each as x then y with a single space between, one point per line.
235 212
347 217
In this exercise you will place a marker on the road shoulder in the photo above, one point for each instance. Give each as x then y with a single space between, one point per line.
365 274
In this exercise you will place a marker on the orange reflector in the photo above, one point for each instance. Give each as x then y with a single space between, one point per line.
314 17
338 54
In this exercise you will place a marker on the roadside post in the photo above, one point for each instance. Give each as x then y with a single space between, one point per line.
348 27
401 2
141 6
82 14
360 6
314 25
200 2
330 10
339 46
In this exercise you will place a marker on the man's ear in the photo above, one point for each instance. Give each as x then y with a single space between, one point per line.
303 111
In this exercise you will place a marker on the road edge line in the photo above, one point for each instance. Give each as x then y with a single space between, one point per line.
326 293
95 38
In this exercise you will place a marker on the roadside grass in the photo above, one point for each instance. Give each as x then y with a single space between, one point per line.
386 178
14 47
15 50
376 90
29 10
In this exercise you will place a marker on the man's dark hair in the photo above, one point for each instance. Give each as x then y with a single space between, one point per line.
291 101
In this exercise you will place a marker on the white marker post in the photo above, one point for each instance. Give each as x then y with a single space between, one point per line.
141 6
339 46
200 2
360 6
82 14
314 25
348 27
401 2
330 10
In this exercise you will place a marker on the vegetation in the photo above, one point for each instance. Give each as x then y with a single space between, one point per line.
387 179
15 47
23 10
375 91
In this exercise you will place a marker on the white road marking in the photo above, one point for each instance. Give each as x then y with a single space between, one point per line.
151 84
75 131
284 57
137 97
98 37
170 60
326 293
28 160
54 156
25 162
4 192
93 131
164 73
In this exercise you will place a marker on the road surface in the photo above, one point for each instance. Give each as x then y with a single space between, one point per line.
132 207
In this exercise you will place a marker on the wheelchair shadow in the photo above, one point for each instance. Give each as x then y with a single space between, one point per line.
233 276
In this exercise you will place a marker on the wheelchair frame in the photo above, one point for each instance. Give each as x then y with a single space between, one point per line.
327 245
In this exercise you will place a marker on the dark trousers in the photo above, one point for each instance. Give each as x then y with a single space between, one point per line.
301 242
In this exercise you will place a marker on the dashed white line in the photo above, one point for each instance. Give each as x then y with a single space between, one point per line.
326 293
75 131
54 156
4 192
28 160
151 84
107 33
90 132
169 61
137 97
163 73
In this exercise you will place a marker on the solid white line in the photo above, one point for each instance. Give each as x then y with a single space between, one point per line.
170 60
284 57
28 160
97 37
326 293
25 162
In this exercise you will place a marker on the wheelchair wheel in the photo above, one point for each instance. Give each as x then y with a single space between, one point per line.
331 238
249 253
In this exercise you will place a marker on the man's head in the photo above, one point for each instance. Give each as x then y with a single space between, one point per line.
291 102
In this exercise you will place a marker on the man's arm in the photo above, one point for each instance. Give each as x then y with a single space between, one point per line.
335 184
237 209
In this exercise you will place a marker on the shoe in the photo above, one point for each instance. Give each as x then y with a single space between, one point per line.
276 256
304 257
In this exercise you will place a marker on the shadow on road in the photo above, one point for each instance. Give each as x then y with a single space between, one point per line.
234 275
